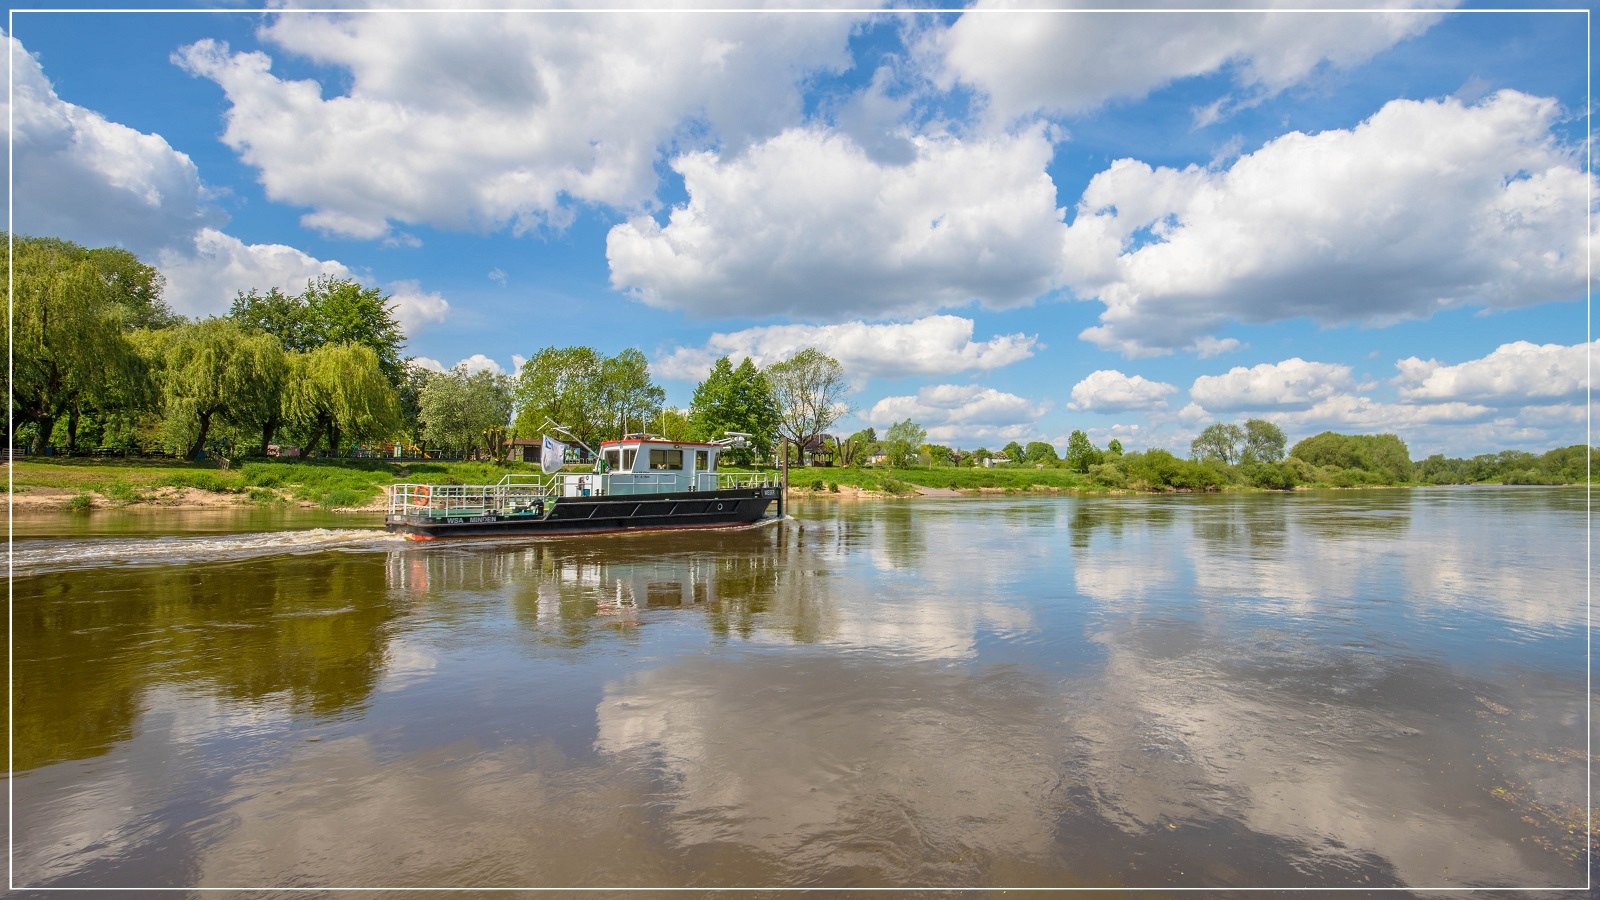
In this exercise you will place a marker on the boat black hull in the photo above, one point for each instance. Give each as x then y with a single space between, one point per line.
601 515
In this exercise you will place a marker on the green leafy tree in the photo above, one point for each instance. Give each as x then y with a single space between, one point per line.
339 391
1382 456
70 337
629 399
215 371
466 410
329 311
410 400
1013 451
1263 442
1080 453
901 442
284 316
560 384
1040 452
675 425
809 391
1114 448
736 399
135 287
1220 442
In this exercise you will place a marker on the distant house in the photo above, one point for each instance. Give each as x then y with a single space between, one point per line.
528 450
999 459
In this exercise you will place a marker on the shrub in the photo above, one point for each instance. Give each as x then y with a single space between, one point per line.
121 492
342 497
1273 476
1108 475
79 503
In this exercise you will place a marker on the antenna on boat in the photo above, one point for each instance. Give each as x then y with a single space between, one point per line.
553 425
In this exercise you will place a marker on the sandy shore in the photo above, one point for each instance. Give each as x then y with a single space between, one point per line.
36 499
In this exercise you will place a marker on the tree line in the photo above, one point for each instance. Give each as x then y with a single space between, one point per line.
103 362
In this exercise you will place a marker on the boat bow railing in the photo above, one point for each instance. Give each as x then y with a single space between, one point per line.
512 495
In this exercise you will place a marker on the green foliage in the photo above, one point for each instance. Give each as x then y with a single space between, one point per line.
902 442
1108 475
1013 451
339 391
217 370
329 311
460 410
1276 476
1564 465
808 389
1159 469
1080 453
70 320
1040 452
631 401
736 399
342 498
199 480
121 492
409 400
1366 458
1263 442
1114 448
79 503
1220 442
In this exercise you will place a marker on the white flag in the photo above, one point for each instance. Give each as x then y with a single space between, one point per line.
552 455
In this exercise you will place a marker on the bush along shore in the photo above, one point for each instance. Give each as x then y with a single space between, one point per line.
359 484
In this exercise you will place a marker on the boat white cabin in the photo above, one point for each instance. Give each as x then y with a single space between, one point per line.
646 464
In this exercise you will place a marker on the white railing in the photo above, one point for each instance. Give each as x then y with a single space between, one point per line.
513 494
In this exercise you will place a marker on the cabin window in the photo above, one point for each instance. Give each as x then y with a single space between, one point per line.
627 459
612 457
666 459
702 460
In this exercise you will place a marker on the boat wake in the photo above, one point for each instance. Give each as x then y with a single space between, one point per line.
34 557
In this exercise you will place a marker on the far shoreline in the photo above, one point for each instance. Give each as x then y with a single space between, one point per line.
61 500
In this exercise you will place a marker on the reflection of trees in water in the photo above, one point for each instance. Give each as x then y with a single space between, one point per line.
307 630
1254 525
1340 515
1108 517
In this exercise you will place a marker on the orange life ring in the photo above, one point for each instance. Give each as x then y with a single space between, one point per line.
420 495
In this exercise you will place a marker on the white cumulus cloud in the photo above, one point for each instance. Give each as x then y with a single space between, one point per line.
85 178
205 276
1424 206
961 412
414 307
1025 61
1291 384
1515 374
479 120
933 345
808 224
1108 390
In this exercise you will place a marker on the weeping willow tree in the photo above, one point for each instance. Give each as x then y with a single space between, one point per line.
339 391
69 329
216 371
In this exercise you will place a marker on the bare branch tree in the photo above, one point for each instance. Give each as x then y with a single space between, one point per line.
809 388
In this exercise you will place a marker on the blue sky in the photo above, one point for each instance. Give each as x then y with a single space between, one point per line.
1005 224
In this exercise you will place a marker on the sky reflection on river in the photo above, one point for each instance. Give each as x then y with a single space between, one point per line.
1352 689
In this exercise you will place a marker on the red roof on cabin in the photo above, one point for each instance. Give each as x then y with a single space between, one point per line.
637 441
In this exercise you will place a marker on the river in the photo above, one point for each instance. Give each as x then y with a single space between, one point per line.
1319 689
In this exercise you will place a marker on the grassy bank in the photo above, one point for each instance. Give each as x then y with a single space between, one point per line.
332 484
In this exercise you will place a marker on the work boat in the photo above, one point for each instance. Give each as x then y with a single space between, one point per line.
639 483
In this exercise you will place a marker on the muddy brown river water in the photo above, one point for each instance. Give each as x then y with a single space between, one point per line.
1343 689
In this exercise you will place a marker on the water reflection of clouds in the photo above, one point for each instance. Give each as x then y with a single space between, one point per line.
1309 556
907 779
1184 739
